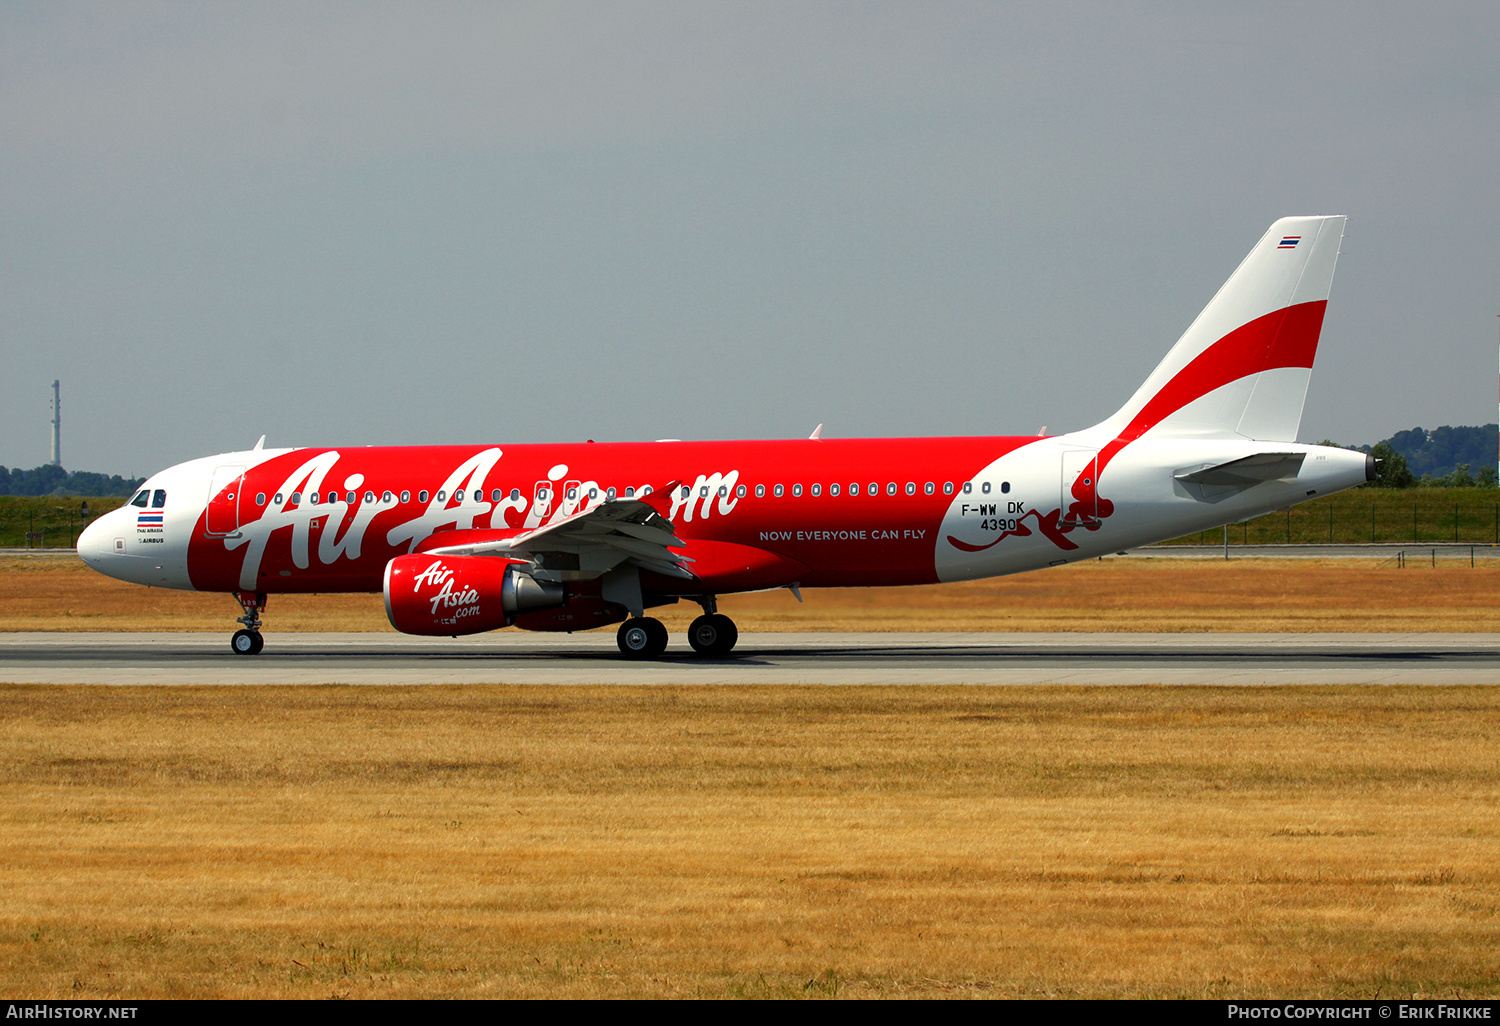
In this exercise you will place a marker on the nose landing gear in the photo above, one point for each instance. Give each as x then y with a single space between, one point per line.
249 641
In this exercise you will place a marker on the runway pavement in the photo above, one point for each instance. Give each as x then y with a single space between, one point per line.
870 658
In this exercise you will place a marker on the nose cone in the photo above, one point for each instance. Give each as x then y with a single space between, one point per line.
95 545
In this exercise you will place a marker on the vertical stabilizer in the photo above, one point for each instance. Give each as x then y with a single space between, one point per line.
1242 368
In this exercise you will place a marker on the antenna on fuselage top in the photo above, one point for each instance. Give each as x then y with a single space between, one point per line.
817 432
259 445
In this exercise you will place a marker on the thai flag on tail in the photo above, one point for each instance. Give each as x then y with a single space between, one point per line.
1289 241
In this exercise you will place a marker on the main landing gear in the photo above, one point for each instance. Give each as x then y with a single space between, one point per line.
712 635
642 637
249 641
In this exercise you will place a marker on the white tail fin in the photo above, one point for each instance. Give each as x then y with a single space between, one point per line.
1242 368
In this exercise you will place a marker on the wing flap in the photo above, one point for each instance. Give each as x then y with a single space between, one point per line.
605 535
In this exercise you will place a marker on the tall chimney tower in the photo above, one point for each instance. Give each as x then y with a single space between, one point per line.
56 426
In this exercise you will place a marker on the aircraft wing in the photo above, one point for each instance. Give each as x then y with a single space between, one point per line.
594 540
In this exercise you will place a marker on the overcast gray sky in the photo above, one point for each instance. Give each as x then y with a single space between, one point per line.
510 222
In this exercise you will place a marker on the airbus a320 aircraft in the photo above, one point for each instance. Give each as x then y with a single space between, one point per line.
464 539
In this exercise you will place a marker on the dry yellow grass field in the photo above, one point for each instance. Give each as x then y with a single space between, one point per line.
857 841
1100 595
496 841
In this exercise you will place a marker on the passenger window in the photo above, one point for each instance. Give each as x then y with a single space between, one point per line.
159 499
142 498
911 488
260 498
723 491
929 488
350 498
686 491
985 488
779 491
387 498
405 495
296 498
442 495
515 494
740 491
312 498
334 496
630 493
947 487
422 495
968 487
703 492
817 490
1005 487
610 494
760 491
890 489
277 499
874 488
370 496
797 490
833 490
458 496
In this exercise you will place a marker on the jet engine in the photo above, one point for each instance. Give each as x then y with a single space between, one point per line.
452 595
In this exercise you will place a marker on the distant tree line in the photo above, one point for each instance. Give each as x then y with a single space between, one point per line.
50 480
1441 458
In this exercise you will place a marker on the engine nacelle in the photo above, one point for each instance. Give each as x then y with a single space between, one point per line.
449 595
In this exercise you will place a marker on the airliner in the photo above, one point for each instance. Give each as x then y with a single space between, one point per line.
465 539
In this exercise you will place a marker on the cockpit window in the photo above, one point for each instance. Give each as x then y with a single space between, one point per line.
141 498
159 499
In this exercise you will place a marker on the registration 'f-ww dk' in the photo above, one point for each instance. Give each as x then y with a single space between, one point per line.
568 537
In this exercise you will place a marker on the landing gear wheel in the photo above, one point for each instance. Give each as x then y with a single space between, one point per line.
713 635
642 638
247 643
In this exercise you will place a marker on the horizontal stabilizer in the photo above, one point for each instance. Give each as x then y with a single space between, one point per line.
1252 470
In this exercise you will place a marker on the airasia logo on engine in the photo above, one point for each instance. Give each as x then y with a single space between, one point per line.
446 595
465 600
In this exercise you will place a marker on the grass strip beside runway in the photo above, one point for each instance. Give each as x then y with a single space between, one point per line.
779 841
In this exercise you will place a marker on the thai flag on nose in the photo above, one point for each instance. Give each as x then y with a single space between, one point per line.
1289 241
149 519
